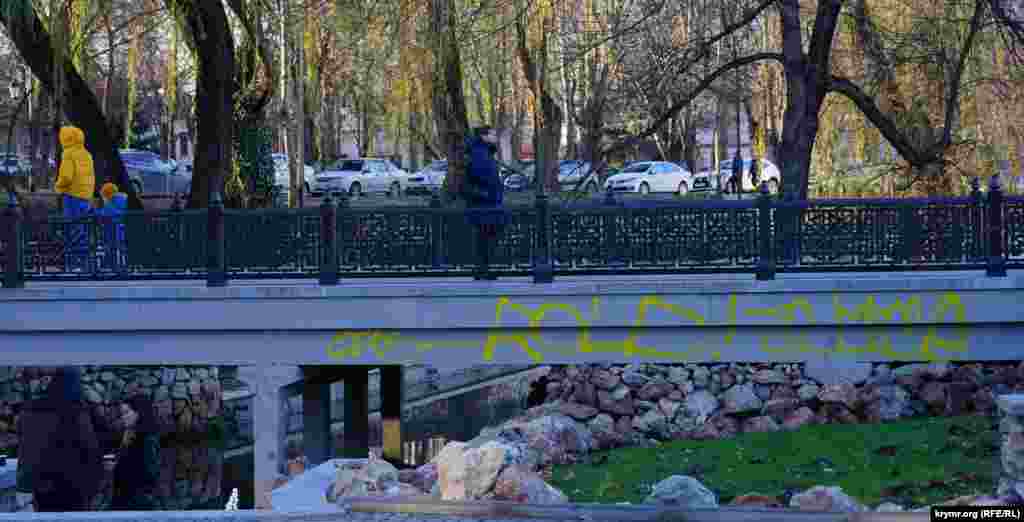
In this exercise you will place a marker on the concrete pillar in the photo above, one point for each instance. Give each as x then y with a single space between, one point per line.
357 413
1011 430
316 422
392 395
269 427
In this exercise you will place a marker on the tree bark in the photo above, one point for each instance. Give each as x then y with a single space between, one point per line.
32 40
215 46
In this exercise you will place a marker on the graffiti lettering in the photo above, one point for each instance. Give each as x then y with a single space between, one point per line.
783 329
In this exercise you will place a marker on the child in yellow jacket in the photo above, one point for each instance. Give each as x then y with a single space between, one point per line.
76 182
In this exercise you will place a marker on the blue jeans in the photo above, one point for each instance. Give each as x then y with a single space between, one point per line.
76 235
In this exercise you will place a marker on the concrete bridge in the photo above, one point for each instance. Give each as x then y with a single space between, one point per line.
294 336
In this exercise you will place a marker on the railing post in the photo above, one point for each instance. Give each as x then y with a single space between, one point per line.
977 220
996 257
436 225
543 269
216 258
328 241
343 233
14 257
609 196
766 250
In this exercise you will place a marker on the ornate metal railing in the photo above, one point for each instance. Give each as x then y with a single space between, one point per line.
762 236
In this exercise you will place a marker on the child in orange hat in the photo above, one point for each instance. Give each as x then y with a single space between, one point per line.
112 215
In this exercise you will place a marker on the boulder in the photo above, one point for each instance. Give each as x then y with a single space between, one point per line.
652 423
718 426
798 419
605 380
755 500
654 390
769 376
682 491
760 424
518 484
451 471
482 467
741 399
893 402
821 498
607 403
586 393
700 405
605 435
580 412
845 394
308 491
807 392
374 477
780 408
837 371
934 394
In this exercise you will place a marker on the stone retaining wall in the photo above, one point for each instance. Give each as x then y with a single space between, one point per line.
624 403
188 406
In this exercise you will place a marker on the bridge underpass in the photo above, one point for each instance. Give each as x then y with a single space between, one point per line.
291 335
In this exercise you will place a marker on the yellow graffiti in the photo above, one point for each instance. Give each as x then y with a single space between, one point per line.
789 317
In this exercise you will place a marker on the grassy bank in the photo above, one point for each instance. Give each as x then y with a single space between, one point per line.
913 463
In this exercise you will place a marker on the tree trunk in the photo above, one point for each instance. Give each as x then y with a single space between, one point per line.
33 42
214 97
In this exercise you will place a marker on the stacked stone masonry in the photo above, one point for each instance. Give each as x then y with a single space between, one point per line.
189 409
626 403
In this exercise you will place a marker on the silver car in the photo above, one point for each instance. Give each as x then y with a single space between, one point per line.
361 176
428 180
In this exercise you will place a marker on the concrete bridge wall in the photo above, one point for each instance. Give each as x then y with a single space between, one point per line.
811 317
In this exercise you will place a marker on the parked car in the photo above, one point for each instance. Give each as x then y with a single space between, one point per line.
361 176
151 175
428 179
732 185
519 175
281 176
645 177
15 165
706 181
574 174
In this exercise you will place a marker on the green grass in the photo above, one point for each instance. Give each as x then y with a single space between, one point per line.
912 463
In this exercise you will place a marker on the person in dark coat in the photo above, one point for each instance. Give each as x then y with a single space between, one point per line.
60 450
138 463
485 194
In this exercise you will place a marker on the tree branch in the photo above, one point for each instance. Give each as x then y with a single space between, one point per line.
880 120
953 98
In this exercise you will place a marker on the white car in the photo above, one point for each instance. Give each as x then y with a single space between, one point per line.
427 180
281 173
361 176
730 185
645 177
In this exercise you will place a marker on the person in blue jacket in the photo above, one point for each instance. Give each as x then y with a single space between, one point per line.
485 194
112 216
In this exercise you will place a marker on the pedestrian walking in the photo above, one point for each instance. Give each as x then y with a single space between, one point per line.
484 194
112 218
138 462
76 182
59 451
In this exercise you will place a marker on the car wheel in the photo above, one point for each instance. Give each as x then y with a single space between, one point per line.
306 188
396 190
682 190
592 187
355 190
645 189
136 186
773 186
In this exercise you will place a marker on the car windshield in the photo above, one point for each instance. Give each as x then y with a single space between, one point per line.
636 168
356 165
438 165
